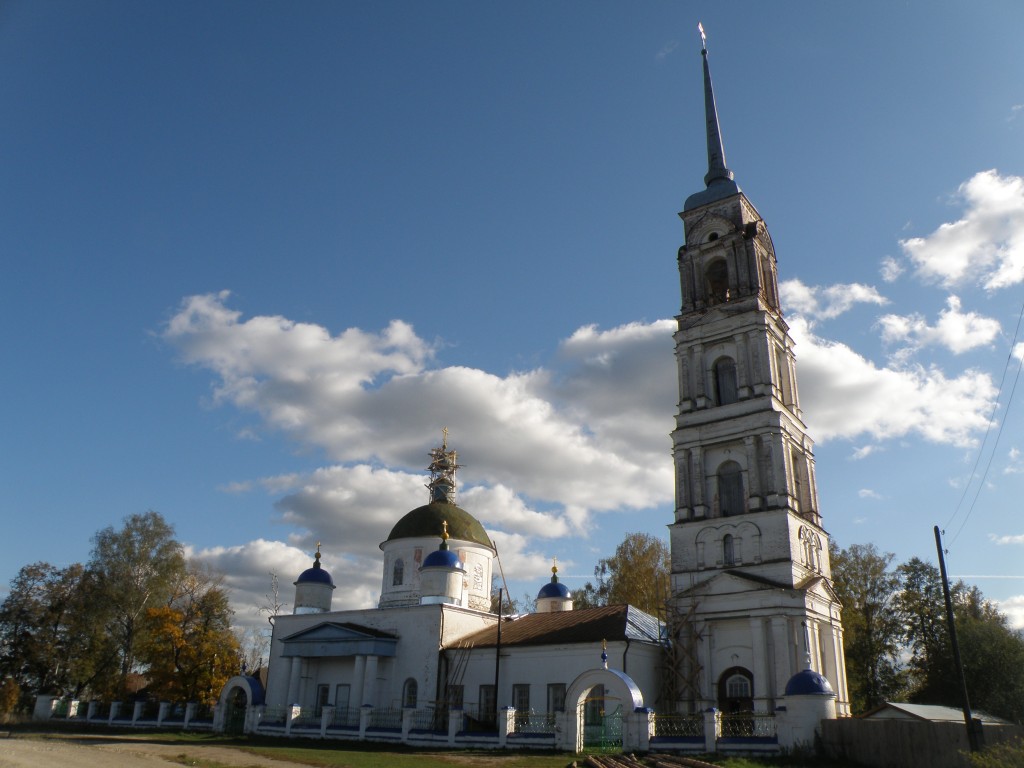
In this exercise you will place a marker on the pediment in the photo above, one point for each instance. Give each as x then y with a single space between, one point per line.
337 639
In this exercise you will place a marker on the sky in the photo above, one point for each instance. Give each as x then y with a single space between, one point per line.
255 256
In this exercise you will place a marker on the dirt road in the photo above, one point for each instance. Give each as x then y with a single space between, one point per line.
121 752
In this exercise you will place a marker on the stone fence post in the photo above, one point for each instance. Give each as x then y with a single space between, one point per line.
712 730
326 718
364 720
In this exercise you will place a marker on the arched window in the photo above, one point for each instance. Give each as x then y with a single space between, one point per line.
725 381
728 550
409 693
736 691
716 278
398 574
730 490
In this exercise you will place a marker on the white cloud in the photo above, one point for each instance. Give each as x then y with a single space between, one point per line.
867 493
844 395
1013 607
666 49
986 245
891 269
863 452
1014 462
544 450
1010 539
825 303
955 330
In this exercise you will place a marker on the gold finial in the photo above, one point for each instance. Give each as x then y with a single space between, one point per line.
444 530
318 547
554 565
604 645
316 557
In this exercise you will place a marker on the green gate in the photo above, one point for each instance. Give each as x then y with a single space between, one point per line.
234 719
601 720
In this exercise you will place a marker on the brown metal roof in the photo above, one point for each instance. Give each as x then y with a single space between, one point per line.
587 625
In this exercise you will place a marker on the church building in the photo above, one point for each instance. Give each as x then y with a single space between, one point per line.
753 624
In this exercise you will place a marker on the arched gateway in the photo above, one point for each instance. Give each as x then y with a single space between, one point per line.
598 694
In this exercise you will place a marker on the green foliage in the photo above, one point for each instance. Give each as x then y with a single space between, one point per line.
1008 754
896 637
135 611
135 569
868 588
637 574
187 645
10 692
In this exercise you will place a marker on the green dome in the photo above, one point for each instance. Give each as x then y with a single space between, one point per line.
428 520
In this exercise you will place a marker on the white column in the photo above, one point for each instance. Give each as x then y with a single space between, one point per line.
370 681
294 678
760 660
355 695
783 664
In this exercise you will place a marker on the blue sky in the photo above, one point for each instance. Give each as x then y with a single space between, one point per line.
257 255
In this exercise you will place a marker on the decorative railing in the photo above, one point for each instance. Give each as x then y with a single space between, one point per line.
307 718
679 726
102 711
203 714
275 716
386 717
175 714
531 722
150 711
429 720
345 717
749 725
476 720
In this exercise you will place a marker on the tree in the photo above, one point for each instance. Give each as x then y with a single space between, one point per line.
134 569
637 574
187 644
992 652
868 587
46 635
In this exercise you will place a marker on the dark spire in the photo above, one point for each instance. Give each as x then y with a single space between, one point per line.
716 151
719 179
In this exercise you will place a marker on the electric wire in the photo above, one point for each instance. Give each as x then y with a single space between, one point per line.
988 429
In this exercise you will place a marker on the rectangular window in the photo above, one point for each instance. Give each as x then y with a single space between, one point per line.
341 696
556 697
487 703
521 697
323 694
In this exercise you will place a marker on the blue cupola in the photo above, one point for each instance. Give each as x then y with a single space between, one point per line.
442 575
313 588
554 596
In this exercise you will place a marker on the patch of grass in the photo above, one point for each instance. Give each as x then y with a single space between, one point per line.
335 755
198 762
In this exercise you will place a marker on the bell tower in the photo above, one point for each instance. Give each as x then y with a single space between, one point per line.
749 555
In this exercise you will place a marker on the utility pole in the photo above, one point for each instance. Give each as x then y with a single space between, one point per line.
972 735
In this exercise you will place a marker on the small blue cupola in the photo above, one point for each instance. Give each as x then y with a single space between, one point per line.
554 596
313 588
442 575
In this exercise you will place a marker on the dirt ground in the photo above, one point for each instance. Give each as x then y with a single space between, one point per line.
119 752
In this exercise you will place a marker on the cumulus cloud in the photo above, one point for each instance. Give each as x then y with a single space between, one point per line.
891 269
543 450
1013 607
845 395
1011 539
955 330
985 246
867 493
826 302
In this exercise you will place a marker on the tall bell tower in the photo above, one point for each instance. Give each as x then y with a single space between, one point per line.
750 567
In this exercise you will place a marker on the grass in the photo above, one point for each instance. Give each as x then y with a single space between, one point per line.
341 754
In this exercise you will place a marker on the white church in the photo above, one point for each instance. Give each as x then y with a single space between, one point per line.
750 657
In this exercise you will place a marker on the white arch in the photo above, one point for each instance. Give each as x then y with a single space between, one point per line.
617 685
